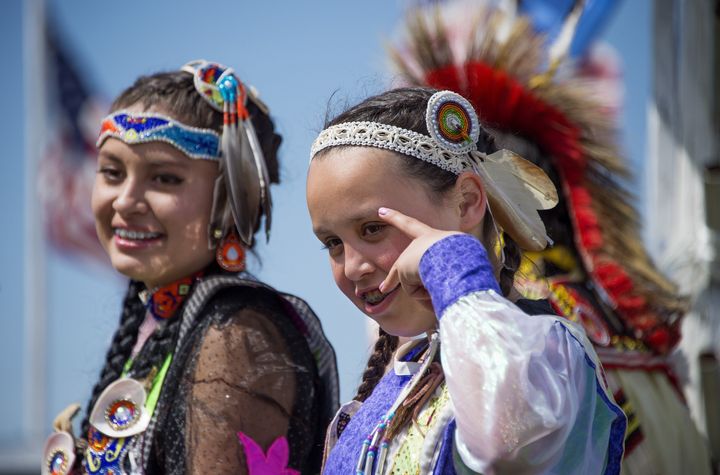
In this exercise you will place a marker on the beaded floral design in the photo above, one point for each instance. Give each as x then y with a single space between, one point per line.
274 462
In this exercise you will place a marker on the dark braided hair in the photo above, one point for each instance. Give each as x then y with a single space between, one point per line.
122 344
405 108
385 346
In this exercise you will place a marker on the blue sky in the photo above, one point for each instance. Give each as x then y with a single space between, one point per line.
298 54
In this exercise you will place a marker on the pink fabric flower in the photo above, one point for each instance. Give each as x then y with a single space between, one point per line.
274 463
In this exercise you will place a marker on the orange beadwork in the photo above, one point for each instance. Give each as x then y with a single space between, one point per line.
230 253
166 300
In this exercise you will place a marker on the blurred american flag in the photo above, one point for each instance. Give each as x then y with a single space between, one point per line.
67 169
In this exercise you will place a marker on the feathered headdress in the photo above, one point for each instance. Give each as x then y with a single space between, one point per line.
504 68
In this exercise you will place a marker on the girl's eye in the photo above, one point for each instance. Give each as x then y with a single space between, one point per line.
110 173
372 229
332 244
168 179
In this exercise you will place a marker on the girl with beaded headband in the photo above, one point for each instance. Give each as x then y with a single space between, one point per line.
210 370
423 218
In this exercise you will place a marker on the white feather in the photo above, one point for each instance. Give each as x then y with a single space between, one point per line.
516 189
262 175
240 180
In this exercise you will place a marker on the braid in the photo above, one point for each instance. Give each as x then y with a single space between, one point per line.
123 341
385 346
513 256
157 347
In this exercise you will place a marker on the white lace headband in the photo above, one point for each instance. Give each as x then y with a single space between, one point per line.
389 137
516 188
453 125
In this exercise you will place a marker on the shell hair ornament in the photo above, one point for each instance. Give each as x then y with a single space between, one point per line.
59 454
515 187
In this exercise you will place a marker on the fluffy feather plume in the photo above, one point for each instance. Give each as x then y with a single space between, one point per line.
500 65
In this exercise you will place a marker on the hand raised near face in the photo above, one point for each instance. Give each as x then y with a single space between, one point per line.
405 271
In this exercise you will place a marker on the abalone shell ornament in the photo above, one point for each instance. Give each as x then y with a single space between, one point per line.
59 454
120 409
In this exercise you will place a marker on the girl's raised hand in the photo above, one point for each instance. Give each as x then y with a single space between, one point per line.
405 270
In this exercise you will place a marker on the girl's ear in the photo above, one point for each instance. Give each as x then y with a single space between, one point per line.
472 201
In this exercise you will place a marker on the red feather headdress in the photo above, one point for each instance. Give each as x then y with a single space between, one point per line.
505 81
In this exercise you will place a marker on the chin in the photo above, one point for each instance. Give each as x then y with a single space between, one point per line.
404 333
132 269
399 330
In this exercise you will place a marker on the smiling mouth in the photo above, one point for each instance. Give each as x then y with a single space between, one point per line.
135 235
375 297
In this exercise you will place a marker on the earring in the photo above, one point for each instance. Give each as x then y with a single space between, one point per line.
230 254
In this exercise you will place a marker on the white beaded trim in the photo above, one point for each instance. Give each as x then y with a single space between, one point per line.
389 137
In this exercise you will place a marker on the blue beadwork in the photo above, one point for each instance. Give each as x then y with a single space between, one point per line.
140 123
109 460
142 128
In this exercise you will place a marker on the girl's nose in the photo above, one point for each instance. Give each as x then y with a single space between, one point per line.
356 264
131 198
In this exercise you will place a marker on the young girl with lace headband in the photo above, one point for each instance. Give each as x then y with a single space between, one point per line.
423 219
210 370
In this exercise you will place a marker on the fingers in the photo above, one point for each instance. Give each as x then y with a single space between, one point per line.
391 281
410 226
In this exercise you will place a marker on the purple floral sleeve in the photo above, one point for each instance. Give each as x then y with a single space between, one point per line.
453 267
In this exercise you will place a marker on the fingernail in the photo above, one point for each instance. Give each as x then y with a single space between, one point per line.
381 287
383 211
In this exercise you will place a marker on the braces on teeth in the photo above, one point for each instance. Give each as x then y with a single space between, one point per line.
124 233
374 297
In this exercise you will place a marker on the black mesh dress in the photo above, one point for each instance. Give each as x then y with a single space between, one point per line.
250 360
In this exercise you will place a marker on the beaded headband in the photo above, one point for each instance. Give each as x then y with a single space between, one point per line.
516 188
147 127
453 125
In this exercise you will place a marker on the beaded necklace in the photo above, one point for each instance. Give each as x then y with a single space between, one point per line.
375 446
163 302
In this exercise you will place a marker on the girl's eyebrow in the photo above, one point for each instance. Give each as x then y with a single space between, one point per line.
362 215
163 161
152 161
109 156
